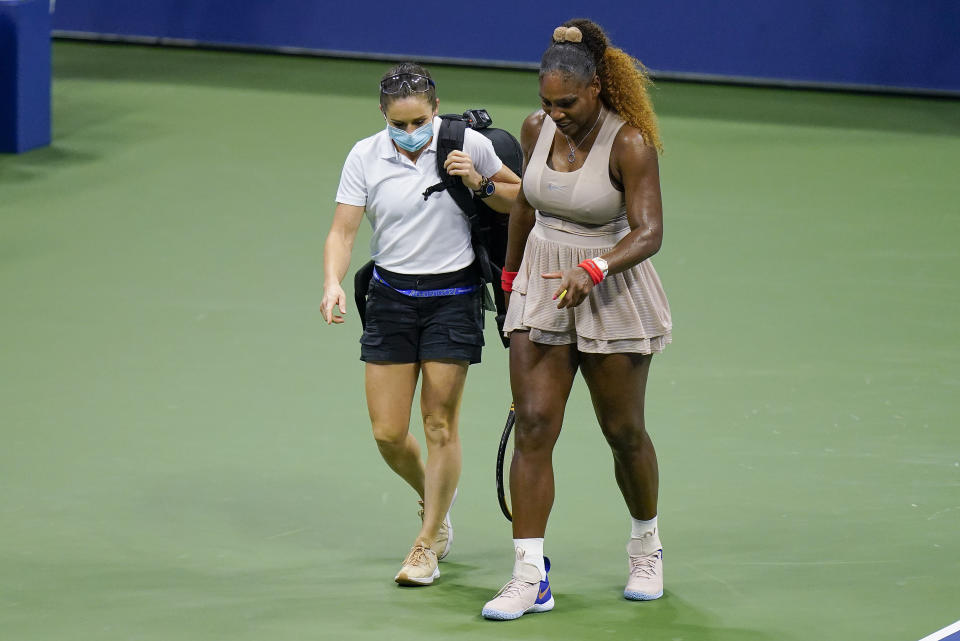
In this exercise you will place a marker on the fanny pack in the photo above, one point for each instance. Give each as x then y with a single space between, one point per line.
427 293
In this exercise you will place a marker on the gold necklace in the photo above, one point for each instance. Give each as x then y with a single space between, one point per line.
572 156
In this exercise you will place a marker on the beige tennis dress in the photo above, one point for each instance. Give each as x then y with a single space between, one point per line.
581 215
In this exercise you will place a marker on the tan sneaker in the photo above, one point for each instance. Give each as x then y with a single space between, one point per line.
646 568
444 541
525 592
419 568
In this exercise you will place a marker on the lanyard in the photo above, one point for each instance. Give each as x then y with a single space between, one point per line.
427 293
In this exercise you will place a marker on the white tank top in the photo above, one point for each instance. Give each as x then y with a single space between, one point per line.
585 195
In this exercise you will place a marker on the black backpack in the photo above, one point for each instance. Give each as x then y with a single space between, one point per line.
488 227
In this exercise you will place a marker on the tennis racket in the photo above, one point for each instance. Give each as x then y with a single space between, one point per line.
504 457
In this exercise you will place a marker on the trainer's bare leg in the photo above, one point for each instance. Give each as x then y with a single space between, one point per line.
390 389
440 396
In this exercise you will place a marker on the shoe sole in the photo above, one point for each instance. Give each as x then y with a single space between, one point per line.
403 579
641 596
500 615
446 519
446 550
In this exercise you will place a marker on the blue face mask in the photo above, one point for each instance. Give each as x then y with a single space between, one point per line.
413 141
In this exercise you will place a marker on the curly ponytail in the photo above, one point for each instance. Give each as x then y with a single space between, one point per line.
581 48
624 81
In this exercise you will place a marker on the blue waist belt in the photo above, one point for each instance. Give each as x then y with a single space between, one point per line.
427 293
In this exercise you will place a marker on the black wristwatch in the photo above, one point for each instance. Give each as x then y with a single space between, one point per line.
486 188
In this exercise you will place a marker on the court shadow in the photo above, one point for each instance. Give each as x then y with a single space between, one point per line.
670 618
189 598
27 167
676 617
456 590
588 615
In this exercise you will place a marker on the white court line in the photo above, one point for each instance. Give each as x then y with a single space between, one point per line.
941 634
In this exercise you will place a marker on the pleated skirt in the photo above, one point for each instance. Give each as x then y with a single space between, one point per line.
626 313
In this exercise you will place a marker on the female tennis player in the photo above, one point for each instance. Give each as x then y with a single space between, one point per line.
424 315
584 296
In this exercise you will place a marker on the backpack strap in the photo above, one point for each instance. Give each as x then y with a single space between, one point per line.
450 138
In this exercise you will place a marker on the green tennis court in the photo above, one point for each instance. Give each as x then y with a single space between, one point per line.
185 445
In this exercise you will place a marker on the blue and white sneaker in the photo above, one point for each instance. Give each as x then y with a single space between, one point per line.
525 592
646 568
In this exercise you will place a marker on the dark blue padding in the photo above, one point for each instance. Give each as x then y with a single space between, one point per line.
24 75
886 43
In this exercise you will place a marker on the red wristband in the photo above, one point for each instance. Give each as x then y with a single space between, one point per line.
506 280
591 267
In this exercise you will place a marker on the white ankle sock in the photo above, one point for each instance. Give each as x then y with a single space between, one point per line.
532 553
642 527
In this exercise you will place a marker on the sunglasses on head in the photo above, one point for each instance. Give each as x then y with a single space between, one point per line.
415 83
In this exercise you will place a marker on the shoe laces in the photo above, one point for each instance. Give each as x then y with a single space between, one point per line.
417 556
513 588
644 566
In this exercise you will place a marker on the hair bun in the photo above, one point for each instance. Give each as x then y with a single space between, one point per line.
567 34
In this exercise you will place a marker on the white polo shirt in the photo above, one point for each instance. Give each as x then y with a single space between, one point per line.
412 235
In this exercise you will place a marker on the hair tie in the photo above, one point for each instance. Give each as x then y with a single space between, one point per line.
567 34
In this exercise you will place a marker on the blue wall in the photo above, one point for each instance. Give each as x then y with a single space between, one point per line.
24 75
892 43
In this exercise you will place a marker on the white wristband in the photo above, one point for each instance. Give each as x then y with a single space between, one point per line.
602 265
